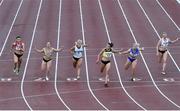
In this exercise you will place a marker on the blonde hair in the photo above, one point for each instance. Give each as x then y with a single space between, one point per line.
136 44
164 34
79 41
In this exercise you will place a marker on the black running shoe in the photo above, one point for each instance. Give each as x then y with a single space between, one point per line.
106 85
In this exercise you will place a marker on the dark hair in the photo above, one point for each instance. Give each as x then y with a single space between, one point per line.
110 44
17 37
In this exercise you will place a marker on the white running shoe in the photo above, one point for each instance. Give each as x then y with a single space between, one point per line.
47 79
14 70
68 79
17 73
75 79
135 79
163 72
9 79
101 79
78 77
3 79
39 79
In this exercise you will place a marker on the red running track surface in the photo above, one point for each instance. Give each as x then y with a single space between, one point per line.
103 20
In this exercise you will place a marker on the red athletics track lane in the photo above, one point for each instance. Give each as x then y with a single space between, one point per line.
173 8
112 97
163 23
75 94
11 98
147 38
143 91
6 17
46 31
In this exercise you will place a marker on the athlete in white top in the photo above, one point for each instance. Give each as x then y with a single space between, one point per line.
77 52
161 49
104 56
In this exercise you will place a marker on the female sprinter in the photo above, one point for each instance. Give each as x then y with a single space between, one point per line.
77 52
18 48
104 56
47 59
132 58
161 50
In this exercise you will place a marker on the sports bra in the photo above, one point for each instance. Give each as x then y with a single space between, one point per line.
134 53
107 54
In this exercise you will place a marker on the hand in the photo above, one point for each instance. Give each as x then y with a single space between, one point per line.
61 48
142 48
157 53
121 50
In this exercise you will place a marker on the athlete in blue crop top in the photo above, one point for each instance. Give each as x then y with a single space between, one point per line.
77 51
133 53
161 49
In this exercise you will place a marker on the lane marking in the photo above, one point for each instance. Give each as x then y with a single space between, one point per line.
7 37
79 91
168 15
117 69
169 79
178 1
145 61
29 53
57 57
85 56
1 2
157 33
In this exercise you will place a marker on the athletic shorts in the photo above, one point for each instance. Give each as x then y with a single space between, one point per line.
18 55
162 52
105 62
46 60
131 59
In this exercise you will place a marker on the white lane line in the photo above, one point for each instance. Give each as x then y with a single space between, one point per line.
85 56
1 2
98 49
86 90
117 69
30 48
178 1
150 74
7 37
57 57
157 33
168 15
170 19
70 56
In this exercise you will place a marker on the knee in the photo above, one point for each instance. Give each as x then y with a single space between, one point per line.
126 67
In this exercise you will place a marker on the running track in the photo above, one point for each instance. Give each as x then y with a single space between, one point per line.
95 22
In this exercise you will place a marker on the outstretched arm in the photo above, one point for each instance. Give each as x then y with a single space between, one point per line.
39 50
173 41
72 49
100 55
58 50
125 52
117 51
85 45
23 47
